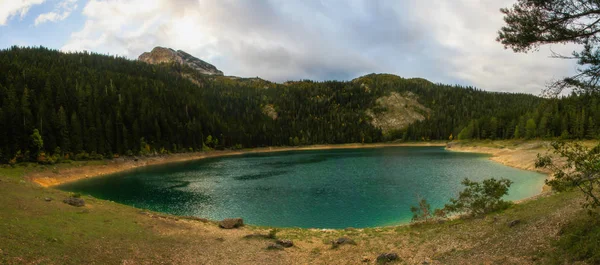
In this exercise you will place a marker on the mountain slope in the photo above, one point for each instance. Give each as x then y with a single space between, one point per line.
90 106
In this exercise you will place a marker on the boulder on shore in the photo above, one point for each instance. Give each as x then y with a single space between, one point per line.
285 243
342 241
513 223
387 257
231 223
74 201
274 246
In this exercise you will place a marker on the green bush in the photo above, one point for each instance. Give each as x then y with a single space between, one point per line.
480 198
476 199
273 233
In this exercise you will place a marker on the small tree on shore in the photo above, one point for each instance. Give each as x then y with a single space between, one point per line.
475 200
421 213
480 198
580 169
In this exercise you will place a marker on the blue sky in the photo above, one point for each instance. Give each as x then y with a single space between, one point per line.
443 41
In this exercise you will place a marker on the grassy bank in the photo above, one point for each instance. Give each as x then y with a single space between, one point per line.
36 231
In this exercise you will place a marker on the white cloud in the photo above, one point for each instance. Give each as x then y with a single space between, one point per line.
281 40
61 12
11 8
466 31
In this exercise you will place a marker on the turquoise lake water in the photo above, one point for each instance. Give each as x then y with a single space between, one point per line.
312 189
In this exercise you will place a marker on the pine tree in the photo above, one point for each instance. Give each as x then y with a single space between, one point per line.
76 135
63 131
530 129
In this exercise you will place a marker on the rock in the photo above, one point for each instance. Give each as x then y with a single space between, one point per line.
274 246
78 202
47 199
400 111
387 257
513 223
231 223
160 55
284 243
342 241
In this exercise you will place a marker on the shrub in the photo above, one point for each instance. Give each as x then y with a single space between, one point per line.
480 198
82 156
273 233
421 213
581 169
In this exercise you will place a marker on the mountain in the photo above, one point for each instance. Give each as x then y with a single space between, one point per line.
87 105
160 55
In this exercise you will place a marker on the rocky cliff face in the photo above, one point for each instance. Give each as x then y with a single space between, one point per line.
166 55
397 111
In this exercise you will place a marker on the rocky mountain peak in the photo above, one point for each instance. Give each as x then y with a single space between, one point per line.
167 55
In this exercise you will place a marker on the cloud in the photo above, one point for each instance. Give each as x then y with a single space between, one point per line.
465 32
288 40
62 10
11 8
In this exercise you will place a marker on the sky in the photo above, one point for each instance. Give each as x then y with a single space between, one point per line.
450 42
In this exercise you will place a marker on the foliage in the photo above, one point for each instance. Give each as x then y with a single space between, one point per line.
479 198
531 23
476 199
421 213
273 233
106 106
37 144
580 169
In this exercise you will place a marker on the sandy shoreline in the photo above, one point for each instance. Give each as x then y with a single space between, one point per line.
49 178
522 156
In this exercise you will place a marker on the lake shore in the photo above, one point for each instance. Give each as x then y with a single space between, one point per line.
517 154
57 176
107 231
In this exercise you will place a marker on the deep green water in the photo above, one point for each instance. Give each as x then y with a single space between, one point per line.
322 189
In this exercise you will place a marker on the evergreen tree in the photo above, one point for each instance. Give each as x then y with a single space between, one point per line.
530 129
76 137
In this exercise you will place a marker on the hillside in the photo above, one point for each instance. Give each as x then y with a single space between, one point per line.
89 106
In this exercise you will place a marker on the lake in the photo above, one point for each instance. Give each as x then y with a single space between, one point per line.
311 189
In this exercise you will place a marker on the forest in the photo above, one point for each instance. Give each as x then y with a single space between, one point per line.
76 106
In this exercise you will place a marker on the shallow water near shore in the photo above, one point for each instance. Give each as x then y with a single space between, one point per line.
311 189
